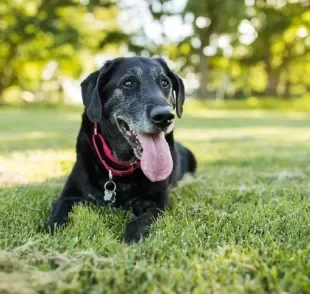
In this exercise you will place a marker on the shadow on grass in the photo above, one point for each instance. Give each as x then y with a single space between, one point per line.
256 162
231 122
23 130
28 141
62 133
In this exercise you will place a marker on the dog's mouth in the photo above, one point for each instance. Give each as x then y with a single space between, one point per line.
151 149
131 136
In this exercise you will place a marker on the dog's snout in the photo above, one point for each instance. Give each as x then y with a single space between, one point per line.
162 116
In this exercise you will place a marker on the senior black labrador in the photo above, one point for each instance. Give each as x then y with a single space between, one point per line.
126 154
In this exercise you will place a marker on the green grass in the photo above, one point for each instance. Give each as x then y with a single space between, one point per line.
242 226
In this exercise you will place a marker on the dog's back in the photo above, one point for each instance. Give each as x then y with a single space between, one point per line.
185 162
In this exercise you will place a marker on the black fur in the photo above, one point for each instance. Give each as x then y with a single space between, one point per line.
104 99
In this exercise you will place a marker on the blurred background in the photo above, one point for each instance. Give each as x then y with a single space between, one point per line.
230 53
241 225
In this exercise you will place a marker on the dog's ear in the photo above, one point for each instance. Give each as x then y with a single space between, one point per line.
178 87
91 88
91 98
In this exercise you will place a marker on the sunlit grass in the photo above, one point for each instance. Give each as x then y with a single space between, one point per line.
35 166
242 226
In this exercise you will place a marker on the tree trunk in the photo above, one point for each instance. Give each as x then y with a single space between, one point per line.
204 37
203 68
272 85
273 75
1 93
287 89
288 84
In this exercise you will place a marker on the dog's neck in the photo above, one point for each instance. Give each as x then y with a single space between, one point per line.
119 146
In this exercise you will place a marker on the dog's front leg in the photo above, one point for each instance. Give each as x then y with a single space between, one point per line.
139 226
61 209
146 213
75 191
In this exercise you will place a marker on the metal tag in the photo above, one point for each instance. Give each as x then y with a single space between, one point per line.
110 195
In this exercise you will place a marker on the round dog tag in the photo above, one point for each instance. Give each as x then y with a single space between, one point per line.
109 193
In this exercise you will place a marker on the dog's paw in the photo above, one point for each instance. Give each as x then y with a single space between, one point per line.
135 230
53 224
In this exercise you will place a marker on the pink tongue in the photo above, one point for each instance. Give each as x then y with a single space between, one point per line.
156 160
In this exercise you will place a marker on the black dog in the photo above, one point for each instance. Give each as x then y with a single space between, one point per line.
126 154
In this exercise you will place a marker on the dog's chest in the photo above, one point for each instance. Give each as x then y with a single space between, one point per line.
124 187
123 193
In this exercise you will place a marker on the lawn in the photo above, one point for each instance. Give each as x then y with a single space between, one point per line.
241 226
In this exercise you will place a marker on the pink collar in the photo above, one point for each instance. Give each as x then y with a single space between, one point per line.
126 168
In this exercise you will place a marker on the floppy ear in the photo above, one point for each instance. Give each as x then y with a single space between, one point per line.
178 87
91 92
91 98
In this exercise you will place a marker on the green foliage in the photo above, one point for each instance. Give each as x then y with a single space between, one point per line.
267 48
224 16
279 45
34 33
234 48
242 226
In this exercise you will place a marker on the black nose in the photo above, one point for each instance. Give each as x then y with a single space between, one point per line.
162 116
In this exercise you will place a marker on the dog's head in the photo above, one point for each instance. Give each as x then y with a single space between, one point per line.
136 94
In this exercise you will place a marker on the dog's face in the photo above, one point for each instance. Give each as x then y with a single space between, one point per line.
138 95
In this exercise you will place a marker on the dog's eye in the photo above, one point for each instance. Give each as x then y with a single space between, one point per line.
128 83
164 83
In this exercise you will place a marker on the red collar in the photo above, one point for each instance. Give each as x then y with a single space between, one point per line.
126 168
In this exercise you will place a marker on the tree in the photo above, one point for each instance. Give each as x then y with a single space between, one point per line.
210 19
32 33
279 42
